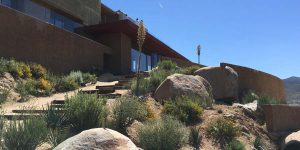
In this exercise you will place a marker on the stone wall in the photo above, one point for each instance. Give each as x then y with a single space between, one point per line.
259 82
28 39
282 118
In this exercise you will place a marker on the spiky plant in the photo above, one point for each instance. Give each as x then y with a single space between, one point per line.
141 36
198 53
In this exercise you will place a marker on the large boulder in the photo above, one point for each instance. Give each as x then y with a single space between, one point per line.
292 142
178 85
97 138
224 81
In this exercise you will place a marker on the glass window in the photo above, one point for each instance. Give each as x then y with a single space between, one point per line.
146 61
6 2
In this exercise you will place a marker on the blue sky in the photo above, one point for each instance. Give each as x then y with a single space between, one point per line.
261 34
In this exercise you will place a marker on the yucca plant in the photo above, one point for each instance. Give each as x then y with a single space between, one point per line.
198 53
141 36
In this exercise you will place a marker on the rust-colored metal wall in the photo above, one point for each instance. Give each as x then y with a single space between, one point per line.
28 39
260 82
282 118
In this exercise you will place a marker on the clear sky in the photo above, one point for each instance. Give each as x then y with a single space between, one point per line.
261 34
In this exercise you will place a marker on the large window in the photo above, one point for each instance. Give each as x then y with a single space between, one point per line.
147 61
42 13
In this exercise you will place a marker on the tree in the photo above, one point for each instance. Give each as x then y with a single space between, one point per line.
141 36
198 53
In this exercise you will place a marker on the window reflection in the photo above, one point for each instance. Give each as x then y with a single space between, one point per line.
40 12
147 61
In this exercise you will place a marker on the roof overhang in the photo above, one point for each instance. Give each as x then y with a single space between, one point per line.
152 44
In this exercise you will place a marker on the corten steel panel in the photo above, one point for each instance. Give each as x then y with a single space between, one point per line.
28 39
282 118
260 82
88 11
120 59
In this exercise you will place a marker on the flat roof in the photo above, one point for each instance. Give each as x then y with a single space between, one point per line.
152 44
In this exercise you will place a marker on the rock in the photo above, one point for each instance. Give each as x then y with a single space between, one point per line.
292 141
224 81
132 131
178 85
7 81
252 110
97 138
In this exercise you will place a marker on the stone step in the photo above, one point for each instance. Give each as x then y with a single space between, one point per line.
111 96
105 89
20 116
58 102
95 91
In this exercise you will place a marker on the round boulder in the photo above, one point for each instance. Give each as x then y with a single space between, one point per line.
292 142
97 138
224 81
179 84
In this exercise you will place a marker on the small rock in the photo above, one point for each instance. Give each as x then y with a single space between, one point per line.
132 131
292 141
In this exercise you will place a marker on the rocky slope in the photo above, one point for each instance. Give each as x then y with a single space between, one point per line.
292 86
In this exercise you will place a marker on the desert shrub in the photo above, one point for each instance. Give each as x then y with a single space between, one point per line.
165 133
143 88
264 100
85 111
249 97
65 83
25 135
89 78
167 65
14 68
38 71
26 88
55 117
234 145
195 137
185 110
258 143
2 123
57 136
3 65
4 93
45 86
190 70
126 110
25 70
223 130
76 76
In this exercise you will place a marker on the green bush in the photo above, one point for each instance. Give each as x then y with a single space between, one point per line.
234 145
57 136
4 93
258 143
249 97
2 123
55 117
195 137
184 109
89 78
77 77
264 100
3 65
167 65
143 88
126 110
223 130
14 68
38 71
25 135
85 111
25 70
163 134
190 70
26 88
65 83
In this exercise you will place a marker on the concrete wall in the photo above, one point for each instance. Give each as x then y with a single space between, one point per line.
282 118
29 39
120 60
89 11
260 82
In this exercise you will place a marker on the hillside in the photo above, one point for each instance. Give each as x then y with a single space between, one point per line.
292 86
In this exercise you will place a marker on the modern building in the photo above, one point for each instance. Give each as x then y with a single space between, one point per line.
66 35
